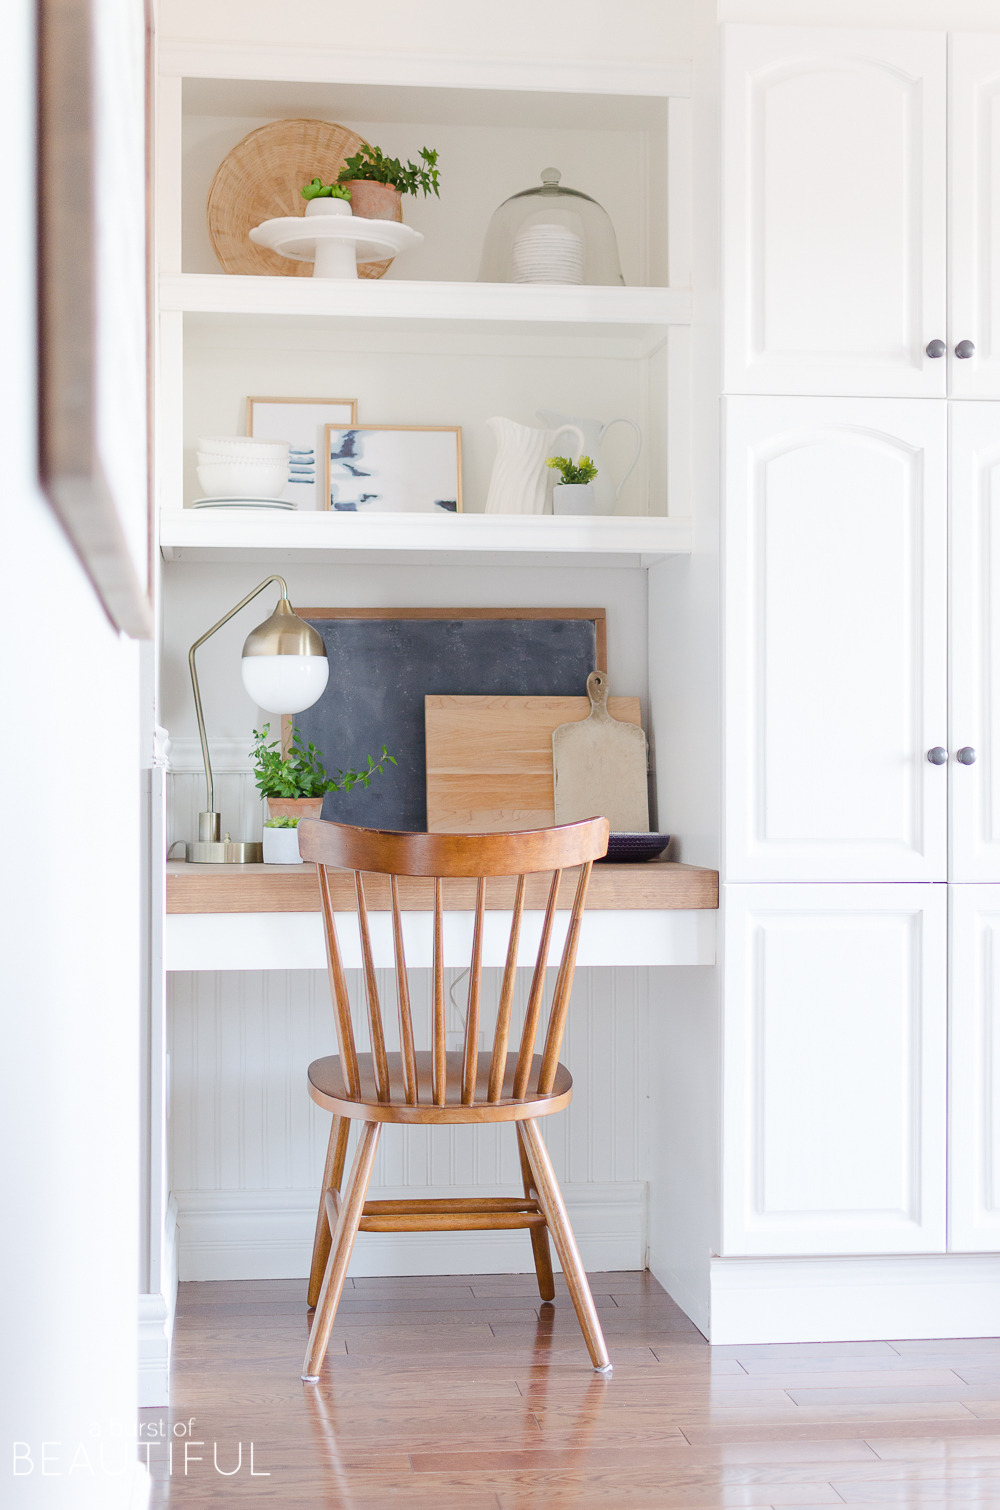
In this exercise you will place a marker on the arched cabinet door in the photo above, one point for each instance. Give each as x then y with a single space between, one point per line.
973 208
834 211
974 646
835 552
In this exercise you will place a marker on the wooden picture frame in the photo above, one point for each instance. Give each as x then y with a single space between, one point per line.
305 497
455 430
93 353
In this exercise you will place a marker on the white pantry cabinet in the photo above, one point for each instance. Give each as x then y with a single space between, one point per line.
834 1069
835 639
974 1070
974 444
834 238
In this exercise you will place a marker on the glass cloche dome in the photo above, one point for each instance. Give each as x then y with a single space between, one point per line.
550 235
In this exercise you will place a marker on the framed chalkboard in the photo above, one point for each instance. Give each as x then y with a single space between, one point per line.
383 661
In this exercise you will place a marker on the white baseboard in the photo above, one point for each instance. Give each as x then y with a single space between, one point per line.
154 1350
694 1306
268 1234
854 1299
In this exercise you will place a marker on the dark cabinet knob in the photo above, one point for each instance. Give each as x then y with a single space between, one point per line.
966 755
965 349
935 348
938 755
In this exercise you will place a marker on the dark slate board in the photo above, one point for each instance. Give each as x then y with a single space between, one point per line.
380 672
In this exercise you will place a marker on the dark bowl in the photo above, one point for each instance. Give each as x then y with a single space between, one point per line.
631 847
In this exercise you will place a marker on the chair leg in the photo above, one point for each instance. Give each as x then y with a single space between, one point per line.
333 1179
552 1204
539 1235
351 1210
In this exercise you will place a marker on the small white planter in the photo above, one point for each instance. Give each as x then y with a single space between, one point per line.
573 498
281 846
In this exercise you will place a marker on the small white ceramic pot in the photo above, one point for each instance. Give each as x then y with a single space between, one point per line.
573 498
281 846
329 206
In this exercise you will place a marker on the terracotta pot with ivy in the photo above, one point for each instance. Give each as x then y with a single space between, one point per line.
296 782
377 183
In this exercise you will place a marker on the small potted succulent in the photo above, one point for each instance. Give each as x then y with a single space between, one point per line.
326 199
574 493
377 183
294 785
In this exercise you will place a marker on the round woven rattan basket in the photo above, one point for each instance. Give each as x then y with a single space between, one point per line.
260 180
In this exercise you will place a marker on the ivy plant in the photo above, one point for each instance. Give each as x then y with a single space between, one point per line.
371 163
572 472
301 772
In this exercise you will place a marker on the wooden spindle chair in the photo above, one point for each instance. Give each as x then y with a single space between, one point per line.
437 1087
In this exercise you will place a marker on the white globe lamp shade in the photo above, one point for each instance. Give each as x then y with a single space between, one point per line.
285 683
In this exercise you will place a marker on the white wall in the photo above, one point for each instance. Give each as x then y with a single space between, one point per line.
248 1145
653 30
69 935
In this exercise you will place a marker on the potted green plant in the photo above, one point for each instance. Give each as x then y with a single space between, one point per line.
377 183
574 493
295 782
281 842
326 199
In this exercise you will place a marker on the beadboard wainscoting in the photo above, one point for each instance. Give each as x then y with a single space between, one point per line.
247 1143
236 798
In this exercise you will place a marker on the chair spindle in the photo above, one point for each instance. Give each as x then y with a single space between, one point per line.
403 998
564 986
472 1010
440 1042
530 1030
371 991
338 983
498 1063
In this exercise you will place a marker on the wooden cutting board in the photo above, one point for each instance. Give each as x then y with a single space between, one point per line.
489 759
600 766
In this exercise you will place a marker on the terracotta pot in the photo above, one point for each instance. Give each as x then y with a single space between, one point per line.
374 201
294 807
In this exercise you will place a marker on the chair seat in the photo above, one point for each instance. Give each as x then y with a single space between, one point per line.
327 1088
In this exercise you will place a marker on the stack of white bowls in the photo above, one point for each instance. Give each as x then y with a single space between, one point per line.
548 254
239 469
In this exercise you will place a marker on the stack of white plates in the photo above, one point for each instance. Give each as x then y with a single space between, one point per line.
239 467
548 254
244 503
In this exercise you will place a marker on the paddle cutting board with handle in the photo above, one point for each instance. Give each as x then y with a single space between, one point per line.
489 759
599 766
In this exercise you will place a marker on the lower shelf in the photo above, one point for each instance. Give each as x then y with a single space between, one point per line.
616 540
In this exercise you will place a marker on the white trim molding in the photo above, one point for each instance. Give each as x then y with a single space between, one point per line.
854 1299
268 1234
230 59
155 1321
229 753
294 940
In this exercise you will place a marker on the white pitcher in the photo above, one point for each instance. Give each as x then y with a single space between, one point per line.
517 484
605 492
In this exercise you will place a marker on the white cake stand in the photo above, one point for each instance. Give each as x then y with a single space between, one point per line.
335 242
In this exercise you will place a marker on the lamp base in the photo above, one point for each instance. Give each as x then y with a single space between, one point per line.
222 852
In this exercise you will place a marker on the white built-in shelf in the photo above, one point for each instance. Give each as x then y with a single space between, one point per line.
206 535
604 310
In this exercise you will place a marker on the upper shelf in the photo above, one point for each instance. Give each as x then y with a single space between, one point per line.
206 535
631 312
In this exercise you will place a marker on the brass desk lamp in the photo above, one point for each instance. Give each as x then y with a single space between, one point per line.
285 670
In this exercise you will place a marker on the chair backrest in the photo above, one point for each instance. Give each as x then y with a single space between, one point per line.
444 856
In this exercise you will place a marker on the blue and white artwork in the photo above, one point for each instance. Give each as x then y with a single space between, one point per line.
394 469
302 422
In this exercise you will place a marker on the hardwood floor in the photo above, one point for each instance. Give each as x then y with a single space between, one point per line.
465 1393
